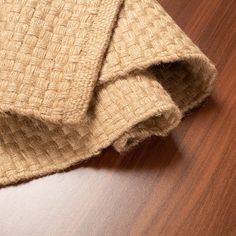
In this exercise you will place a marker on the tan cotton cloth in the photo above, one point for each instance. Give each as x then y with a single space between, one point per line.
77 76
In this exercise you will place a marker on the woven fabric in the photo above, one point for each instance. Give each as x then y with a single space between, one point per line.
79 76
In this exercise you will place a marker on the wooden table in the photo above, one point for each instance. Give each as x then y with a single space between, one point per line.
182 185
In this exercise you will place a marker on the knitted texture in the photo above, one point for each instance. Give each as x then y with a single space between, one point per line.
78 76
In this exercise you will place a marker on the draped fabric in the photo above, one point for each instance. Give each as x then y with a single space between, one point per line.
77 76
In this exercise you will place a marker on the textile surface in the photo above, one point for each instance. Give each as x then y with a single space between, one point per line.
77 76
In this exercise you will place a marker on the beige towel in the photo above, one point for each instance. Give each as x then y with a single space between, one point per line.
77 76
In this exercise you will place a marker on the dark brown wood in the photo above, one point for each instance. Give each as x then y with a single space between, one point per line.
182 185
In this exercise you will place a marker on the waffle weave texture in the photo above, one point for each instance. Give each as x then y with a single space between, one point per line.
77 76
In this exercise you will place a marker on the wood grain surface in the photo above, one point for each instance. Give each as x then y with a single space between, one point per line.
183 185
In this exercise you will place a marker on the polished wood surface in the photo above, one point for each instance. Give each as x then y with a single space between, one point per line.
183 185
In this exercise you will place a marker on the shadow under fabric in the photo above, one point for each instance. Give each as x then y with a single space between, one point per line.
79 76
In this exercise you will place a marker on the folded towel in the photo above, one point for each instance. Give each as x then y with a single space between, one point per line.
77 76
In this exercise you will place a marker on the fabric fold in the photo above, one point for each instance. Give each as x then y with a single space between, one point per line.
52 51
79 76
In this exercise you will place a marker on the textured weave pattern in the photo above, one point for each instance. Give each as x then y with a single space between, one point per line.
78 76
50 52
